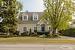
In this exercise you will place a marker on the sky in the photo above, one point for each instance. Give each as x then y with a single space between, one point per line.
32 5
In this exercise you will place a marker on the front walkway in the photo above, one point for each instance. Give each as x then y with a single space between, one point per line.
37 47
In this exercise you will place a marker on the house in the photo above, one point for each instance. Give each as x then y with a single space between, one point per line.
31 22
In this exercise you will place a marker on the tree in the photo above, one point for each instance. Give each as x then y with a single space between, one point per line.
58 13
8 11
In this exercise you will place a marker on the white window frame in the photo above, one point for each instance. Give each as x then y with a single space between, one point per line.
24 18
35 16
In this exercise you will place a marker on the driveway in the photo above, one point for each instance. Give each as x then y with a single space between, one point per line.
37 47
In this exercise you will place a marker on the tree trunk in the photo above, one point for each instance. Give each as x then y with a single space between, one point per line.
55 31
8 34
50 31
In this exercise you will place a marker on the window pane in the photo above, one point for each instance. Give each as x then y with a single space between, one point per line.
35 17
35 29
25 17
25 29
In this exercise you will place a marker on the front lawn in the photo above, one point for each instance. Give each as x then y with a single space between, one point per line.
35 40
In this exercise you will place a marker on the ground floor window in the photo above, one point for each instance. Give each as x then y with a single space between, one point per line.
25 29
35 29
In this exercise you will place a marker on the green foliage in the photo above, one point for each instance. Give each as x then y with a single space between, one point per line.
16 33
69 32
58 13
53 35
8 11
33 35
24 34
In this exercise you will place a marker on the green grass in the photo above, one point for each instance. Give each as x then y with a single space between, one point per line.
35 40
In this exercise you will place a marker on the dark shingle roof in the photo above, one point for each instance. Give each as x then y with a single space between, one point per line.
30 17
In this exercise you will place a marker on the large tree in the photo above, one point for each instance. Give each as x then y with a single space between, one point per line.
8 11
58 13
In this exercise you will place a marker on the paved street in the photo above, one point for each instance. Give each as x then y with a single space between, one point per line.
37 47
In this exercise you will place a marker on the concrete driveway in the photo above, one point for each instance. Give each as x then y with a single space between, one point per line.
37 47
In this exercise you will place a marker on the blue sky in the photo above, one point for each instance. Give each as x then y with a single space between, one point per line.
32 5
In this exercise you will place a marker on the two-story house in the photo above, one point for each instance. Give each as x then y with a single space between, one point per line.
31 21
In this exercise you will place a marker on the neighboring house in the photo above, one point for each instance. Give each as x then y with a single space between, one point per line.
31 21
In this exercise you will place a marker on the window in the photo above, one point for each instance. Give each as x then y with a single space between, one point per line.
35 29
35 16
25 29
25 18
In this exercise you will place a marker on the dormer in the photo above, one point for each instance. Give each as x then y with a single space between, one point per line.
35 16
25 17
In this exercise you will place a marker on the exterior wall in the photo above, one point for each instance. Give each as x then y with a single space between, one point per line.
46 28
31 26
21 26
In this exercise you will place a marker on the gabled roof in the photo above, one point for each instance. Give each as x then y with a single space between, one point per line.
30 17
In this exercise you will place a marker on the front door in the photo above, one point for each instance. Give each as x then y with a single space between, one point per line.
43 27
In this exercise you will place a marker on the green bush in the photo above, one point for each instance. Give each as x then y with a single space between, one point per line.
53 35
56 35
16 33
33 34
69 32
41 33
24 34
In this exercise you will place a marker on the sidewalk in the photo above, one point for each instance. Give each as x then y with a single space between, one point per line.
37 47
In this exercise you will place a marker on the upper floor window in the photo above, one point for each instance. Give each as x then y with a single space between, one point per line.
35 17
25 17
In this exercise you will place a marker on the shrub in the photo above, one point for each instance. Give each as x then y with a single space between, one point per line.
69 32
24 33
16 33
49 36
41 33
56 35
53 35
33 34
